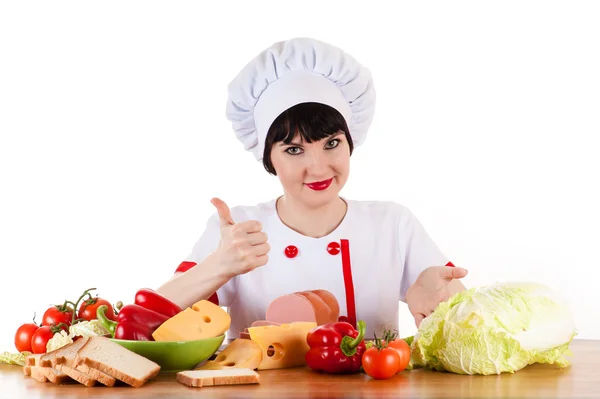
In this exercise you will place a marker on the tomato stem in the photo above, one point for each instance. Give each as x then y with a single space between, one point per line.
86 292
57 328
378 342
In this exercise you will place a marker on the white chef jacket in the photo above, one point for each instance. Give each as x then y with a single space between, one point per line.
368 262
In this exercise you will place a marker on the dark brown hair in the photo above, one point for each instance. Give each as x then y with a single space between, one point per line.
312 121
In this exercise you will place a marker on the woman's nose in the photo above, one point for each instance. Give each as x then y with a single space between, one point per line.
317 162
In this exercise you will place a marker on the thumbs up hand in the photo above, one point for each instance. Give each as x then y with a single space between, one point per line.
243 245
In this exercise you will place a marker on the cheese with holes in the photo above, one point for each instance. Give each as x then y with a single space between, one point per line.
241 353
203 320
282 346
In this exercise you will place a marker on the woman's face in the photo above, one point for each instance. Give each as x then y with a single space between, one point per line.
312 173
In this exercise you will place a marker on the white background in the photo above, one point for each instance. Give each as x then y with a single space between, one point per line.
486 127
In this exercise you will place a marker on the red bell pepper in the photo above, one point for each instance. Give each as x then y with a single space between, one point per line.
139 320
134 322
336 347
152 300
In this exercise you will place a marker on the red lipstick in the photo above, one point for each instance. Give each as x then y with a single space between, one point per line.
320 185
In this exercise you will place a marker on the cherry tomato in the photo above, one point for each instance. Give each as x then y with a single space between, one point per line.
87 309
58 314
40 339
380 363
23 337
403 350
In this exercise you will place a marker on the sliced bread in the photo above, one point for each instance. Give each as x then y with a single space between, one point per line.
203 378
33 359
37 373
111 358
65 354
56 376
33 369
98 375
63 360
76 375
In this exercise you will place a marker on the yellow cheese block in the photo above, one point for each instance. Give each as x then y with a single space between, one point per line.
203 320
241 353
287 343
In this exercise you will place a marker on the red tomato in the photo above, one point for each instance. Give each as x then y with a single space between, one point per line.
403 350
380 363
40 339
87 309
56 315
23 337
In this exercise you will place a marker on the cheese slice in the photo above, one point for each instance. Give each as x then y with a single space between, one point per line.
241 353
203 320
287 344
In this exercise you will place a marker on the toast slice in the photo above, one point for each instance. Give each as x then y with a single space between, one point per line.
98 375
38 374
204 378
76 375
63 360
41 373
62 355
56 376
33 359
65 356
118 362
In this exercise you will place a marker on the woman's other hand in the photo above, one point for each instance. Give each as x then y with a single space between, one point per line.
434 285
243 245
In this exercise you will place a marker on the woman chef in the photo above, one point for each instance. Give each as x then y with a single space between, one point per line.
301 106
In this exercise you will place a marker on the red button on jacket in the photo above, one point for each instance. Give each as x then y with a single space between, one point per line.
333 248
291 251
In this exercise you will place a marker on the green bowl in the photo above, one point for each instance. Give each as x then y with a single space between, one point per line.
173 356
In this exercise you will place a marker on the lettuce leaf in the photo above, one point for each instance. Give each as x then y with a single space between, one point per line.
17 359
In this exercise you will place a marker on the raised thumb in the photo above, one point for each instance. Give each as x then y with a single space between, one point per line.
450 272
223 210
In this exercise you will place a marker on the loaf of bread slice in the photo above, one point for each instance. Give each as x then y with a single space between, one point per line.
63 360
62 355
98 375
203 378
118 362
33 369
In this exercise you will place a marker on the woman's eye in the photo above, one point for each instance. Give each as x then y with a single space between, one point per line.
333 143
293 150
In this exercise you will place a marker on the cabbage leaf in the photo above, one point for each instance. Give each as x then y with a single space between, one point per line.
495 329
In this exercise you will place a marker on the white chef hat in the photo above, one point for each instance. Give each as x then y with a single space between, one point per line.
297 71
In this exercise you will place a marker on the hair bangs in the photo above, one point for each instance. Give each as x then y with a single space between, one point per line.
309 122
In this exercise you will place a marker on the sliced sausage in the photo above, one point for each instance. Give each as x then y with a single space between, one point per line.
330 300
290 308
324 312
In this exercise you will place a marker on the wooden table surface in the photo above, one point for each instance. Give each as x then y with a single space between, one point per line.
580 380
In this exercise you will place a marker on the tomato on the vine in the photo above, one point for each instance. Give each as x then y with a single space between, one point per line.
58 314
40 338
23 337
380 363
400 346
386 356
88 308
